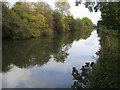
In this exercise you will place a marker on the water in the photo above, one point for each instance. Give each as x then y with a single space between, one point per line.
47 62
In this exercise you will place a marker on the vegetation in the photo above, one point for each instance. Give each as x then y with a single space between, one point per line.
27 20
105 72
62 7
82 78
23 21
110 13
38 51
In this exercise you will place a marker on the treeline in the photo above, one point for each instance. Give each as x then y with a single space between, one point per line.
110 13
28 19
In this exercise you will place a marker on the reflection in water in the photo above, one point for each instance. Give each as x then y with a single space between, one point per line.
105 72
82 78
47 62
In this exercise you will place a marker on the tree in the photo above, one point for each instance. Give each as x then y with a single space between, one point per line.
10 22
87 22
59 22
28 19
44 9
62 7
110 13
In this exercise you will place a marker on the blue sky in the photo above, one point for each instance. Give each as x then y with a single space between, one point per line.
77 11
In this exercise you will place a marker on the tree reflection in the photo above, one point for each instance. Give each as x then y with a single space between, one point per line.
82 78
105 72
61 55
29 53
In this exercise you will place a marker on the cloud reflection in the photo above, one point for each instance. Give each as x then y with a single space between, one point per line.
15 77
54 74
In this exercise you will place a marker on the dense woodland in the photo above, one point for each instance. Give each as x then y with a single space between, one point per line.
28 19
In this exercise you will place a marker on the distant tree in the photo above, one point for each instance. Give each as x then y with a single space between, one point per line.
62 6
87 22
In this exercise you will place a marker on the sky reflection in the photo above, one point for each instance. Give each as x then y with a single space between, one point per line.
54 74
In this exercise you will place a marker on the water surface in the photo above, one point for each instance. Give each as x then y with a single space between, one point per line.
47 62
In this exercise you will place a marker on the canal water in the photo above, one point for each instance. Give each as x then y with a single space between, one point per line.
47 62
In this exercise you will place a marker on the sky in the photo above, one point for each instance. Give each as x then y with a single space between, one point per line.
77 11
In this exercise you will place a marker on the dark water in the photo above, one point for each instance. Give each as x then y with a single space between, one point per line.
47 62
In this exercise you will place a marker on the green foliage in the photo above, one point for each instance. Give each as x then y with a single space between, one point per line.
88 23
38 51
110 13
44 9
105 72
77 24
82 78
24 21
6 16
59 22
62 7
12 27
28 19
